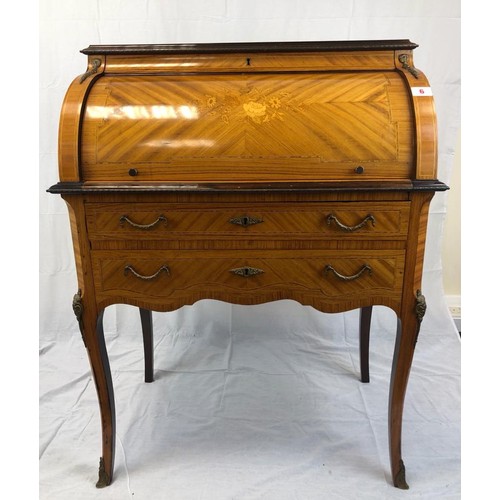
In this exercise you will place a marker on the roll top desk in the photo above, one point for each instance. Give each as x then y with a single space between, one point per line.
249 173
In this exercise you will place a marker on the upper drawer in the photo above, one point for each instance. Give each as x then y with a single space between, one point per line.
155 221
259 127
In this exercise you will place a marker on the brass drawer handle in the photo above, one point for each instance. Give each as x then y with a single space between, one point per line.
366 267
245 221
129 268
124 218
246 271
369 218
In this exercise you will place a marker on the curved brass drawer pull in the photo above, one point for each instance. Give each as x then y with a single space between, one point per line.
129 268
246 271
245 221
366 267
331 218
124 218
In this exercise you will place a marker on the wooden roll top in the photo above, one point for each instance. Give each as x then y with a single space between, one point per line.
264 112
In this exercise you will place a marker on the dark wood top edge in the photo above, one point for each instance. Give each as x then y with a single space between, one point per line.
429 185
82 188
213 48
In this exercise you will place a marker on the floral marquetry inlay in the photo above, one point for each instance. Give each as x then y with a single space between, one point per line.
250 103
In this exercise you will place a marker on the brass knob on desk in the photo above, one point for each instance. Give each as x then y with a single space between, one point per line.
133 172
359 169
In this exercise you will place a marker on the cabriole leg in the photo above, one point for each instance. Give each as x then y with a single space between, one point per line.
91 327
406 339
147 335
365 317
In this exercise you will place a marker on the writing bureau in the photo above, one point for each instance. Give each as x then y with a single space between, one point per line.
249 173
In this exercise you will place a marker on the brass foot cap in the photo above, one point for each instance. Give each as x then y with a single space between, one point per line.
400 479
104 479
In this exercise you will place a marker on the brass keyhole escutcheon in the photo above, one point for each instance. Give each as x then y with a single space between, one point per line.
245 220
246 271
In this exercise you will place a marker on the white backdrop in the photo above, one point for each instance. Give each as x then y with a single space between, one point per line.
67 26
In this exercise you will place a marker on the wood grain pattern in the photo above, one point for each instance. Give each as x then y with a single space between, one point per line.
251 62
407 330
425 122
199 221
93 337
273 132
70 123
307 126
207 273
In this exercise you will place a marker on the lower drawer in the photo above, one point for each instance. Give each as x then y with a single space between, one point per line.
245 276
